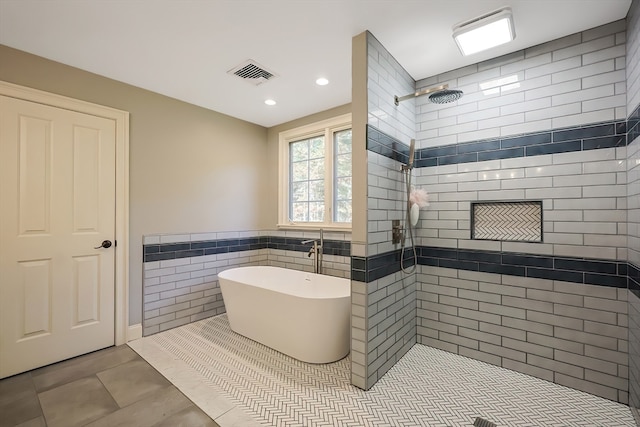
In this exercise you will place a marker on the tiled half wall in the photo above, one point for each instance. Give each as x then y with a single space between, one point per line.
180 283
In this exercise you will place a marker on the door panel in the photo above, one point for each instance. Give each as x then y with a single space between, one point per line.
86 290
35 175
86 179
35 298
57 203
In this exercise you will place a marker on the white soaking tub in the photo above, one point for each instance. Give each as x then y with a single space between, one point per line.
303 315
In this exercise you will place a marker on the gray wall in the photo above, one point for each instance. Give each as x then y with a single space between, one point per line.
182 158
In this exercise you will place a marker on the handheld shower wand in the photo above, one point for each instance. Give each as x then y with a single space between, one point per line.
406 172
412 149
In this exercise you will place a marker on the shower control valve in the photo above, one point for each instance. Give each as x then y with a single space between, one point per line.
396 232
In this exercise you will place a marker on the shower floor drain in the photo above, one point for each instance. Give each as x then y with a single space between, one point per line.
481 422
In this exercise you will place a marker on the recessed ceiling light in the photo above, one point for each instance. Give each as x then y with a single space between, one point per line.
322 81
270 102
490 30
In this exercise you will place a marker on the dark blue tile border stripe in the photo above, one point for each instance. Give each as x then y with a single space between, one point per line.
209 247
594 136
568 269
368 269
385 145
633 125
611 273
634 279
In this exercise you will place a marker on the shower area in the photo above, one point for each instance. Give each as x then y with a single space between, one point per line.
549 301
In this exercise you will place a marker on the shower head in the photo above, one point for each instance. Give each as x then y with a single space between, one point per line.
445 96
437 94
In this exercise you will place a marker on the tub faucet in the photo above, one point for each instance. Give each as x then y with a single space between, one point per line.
316 250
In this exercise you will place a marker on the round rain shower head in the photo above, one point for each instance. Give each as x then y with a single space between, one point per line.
445 96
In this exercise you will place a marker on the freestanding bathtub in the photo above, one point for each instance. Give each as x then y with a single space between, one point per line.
303 315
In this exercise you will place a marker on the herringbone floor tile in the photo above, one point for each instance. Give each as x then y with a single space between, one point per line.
427 387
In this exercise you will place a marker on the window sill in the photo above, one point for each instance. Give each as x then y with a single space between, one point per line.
314 226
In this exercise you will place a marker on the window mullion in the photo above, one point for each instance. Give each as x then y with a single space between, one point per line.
328 176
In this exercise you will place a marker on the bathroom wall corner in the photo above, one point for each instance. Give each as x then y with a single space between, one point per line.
359 101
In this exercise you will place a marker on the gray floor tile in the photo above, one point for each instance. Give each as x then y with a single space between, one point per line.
80 367
76 403
36 422
147 412
132 381
190 417
18 400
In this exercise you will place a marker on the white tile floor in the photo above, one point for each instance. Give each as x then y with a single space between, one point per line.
239 382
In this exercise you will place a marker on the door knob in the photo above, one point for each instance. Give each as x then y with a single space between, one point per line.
105 244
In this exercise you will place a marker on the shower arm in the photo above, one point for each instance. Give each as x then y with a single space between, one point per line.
397 99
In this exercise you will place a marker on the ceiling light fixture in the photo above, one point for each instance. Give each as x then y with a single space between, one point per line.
487 31
322 81
270 102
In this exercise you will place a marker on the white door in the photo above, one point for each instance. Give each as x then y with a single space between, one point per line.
57 203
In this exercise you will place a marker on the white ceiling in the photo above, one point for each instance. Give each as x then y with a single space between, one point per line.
184 48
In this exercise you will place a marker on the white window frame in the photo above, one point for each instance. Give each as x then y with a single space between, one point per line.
327 128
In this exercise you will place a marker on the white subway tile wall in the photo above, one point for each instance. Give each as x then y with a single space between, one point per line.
582 214
633 57
332 265
633 148
633 229
567 82
633 201
387 199
634 354
573 334
591 209
383 315
568 333
359 342
390 323
385 79
184 290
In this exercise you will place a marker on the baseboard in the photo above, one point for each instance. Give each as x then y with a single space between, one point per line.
134 332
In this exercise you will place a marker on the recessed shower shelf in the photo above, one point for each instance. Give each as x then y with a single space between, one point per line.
519 221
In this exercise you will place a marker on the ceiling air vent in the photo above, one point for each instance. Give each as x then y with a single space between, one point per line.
252 72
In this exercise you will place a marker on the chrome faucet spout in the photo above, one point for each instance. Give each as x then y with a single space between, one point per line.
316 250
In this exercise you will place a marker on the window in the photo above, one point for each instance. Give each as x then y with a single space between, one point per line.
315 175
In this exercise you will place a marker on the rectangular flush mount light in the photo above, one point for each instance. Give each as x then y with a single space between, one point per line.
485 32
